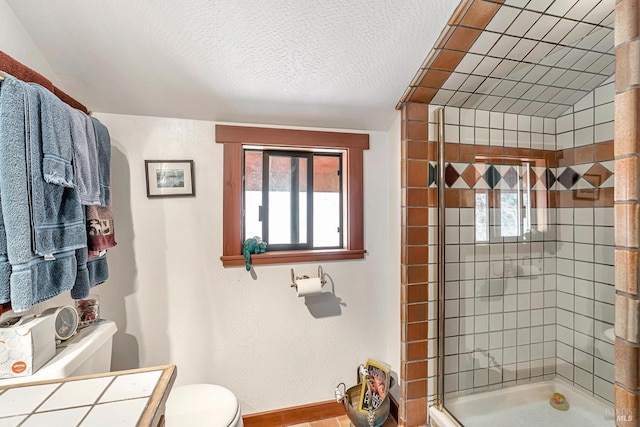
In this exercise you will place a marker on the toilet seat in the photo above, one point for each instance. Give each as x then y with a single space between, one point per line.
202 405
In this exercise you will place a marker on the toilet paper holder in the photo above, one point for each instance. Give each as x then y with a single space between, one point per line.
294 277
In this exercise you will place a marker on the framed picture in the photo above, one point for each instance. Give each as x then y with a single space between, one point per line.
170 178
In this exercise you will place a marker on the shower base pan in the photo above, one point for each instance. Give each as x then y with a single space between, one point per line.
525 405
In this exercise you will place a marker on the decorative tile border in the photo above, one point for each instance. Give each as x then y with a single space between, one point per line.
487 176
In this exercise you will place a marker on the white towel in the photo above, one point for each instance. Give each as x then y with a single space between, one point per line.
85 158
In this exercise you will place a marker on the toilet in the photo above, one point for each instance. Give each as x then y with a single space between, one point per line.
200 405
87 353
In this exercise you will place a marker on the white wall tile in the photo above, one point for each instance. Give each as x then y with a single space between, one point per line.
564 140
604 94
496 120
584 103
467 116
496 137
604 113
603 132
603 388
482 136
564 123
482 118
452 133
510 138
510 121
584 136
583 118
451 115
550 126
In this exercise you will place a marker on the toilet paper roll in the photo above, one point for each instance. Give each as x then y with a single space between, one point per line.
307 287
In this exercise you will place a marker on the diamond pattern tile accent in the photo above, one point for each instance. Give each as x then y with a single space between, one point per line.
433 171
568 178
511 177
451 175
506 176
471 176
548 179
529 178
492 176
597 175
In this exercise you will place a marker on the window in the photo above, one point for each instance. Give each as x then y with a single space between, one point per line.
293 199
268 173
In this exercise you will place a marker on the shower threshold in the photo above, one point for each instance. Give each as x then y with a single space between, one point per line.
526 405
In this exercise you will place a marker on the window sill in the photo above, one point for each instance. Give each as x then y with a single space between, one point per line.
286 257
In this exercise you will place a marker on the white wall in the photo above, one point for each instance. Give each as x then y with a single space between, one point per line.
16 42
175 303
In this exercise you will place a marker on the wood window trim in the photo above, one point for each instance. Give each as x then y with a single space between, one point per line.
234 137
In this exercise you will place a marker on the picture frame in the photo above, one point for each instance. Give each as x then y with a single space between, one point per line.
170 178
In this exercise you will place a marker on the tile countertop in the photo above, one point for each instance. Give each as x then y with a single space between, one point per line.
125 398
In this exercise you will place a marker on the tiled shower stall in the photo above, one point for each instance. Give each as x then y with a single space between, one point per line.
529 291
534 222
529 247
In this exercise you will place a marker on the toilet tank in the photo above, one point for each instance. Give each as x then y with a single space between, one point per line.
87 353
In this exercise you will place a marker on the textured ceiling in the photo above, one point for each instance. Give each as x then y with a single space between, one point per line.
331 63
535 57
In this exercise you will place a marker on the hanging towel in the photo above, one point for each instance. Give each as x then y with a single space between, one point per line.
57 214
50 115
97 272
5 267
85 157
13 174
40 280
5 307
103 143
82 283
100 231
33 279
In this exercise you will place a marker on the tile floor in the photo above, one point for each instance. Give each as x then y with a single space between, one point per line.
342 421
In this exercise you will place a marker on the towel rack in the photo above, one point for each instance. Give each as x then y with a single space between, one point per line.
294 277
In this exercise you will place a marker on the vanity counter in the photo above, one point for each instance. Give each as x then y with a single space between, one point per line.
135 397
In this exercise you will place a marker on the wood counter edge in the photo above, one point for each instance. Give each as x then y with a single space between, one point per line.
153 414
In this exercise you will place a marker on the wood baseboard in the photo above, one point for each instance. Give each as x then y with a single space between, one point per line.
295 415
304 414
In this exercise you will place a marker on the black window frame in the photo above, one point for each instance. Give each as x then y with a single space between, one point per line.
264 208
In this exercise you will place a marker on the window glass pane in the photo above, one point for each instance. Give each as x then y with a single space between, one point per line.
509 214
302 202
252 193
482 217
326 201
279 200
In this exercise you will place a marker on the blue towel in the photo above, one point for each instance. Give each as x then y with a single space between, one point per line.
82 283
95 271
103 142
5 267
14 187
56 212
33 279
12 112
55 131
85 157
40 280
